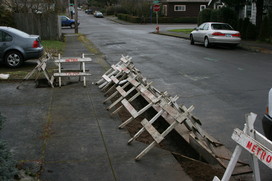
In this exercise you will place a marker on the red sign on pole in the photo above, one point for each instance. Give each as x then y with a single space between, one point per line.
156 7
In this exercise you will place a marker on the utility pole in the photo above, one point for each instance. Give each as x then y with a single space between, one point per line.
68 9
76 16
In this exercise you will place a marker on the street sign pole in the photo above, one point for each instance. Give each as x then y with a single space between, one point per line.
156 8
157 22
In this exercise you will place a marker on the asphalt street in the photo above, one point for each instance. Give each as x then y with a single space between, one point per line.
223 84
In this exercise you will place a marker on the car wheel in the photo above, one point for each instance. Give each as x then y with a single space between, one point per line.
13 59
192 40
73 25
206 42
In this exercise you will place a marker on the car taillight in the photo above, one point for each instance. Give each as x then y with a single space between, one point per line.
237 35
267 111
218 34
35 44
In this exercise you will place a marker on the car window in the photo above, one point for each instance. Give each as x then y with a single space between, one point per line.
4 37
206 27
221 27
18 32
201 26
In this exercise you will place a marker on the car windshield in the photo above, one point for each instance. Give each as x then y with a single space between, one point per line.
221 27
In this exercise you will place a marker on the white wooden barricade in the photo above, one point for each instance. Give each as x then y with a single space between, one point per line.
131 84
40 67
81 72
131 80
179 117
165 100
113 70
116 73
122 72
252 141
150 97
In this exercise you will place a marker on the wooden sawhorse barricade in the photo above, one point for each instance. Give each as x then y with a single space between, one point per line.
128 85
153 97
81 72
41 67
255 143
115 74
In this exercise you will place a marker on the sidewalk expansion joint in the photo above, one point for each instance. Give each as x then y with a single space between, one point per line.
102 136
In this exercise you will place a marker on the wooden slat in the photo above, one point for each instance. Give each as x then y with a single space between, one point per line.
121 91
152 131
63 60
133 82
71 74
114 79
148 94
106 78
130 108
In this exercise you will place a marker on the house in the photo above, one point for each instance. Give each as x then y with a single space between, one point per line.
183 8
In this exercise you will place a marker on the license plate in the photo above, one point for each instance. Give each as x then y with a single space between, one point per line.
228 36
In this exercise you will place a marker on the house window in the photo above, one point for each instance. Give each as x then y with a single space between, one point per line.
179 8
202 7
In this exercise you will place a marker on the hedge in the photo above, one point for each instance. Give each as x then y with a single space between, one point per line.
135 19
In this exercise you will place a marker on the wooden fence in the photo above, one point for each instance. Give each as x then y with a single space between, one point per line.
46 25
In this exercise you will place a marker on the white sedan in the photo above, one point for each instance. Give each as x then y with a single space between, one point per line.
215 33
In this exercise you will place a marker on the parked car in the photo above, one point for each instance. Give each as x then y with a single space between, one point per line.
89 11
267 118
98 14
17 46
215 33
65 21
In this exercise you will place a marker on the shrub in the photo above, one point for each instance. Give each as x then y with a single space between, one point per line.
204 16
136 19
119 10
110 10
227 15
251 32
265 30
244 26
214 15
6 17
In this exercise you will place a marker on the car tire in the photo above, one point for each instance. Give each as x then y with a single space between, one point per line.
73 25
192 41
13 59
206 42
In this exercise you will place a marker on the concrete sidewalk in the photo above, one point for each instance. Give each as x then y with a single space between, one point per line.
67 134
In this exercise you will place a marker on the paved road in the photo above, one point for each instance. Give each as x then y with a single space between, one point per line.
223 84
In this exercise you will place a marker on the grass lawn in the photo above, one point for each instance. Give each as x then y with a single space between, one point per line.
54 47
187 31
